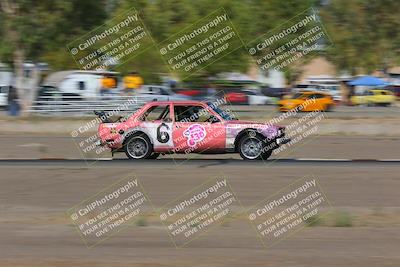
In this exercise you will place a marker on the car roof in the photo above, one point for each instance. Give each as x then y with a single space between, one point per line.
185 102
55 78
313 92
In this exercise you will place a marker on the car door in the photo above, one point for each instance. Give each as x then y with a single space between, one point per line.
383 97
157 124
196 128
311 105
321 101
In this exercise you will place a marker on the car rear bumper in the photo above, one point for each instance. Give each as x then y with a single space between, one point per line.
99 143
110 143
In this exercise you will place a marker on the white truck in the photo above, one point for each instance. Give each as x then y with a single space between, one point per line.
80 84
6 80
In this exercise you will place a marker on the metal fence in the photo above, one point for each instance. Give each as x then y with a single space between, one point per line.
74 105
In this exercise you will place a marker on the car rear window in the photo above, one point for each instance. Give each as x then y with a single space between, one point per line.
155 113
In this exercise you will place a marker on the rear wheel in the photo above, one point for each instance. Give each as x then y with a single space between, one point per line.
370 104
138 147
154 156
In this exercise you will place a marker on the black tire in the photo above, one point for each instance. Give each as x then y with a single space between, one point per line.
154 156
266 154
299 108
251 147
138 146
328 108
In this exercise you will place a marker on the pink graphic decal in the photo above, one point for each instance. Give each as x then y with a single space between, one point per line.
195 134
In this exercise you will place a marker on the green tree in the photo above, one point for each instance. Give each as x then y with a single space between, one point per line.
31 29
365 34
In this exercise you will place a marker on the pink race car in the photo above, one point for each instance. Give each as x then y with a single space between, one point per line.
188 127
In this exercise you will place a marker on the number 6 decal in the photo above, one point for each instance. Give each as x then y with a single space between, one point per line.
162 133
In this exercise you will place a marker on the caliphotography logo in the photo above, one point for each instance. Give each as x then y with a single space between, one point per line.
120 39
289 210
198 211
199 133
106 213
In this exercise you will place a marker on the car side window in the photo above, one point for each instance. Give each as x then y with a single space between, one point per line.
192 113
156 113
312 96
81 85
163 92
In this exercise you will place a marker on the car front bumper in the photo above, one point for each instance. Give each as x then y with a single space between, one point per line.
282 140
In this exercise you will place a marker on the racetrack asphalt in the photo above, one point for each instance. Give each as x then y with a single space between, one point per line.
41 178
36 231
313 147
197 163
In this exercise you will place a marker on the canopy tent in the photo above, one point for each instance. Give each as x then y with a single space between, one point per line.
368 81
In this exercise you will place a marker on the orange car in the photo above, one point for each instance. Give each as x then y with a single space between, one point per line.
307 101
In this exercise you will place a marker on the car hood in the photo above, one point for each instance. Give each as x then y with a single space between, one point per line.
244 122
241 123
265 128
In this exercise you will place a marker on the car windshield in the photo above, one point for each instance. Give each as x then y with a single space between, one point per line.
165 91
223 113
297 95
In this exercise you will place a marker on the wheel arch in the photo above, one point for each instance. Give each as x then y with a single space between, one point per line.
243 133
134 133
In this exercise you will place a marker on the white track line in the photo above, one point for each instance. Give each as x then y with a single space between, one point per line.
320 159
295 159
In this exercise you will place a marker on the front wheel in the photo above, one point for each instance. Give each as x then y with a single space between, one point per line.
138 147
252 147
328 108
